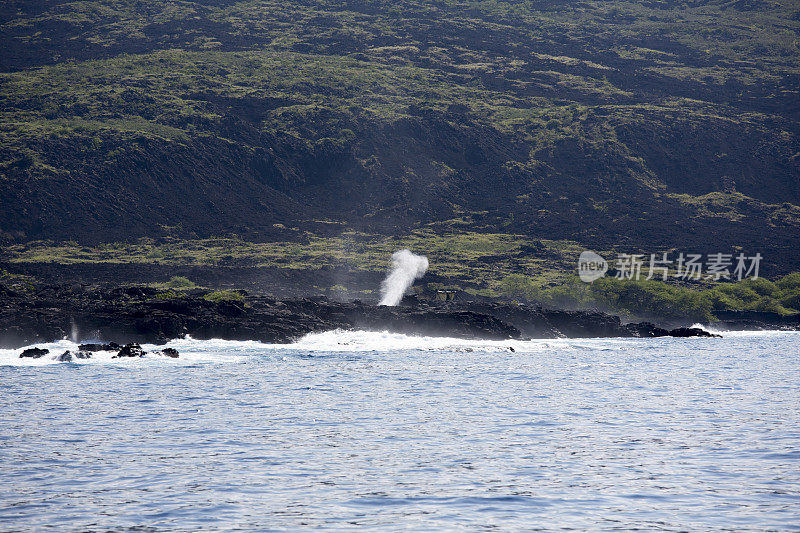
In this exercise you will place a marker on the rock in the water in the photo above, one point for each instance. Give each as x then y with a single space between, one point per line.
691 332
81 354
35 353
66 356
94 347
646 329
170 352
131 350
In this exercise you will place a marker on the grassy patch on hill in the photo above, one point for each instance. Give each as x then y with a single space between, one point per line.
517 124
476 258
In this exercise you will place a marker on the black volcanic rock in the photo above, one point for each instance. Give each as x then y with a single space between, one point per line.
170 352
586 324
691 332
646 329
435 322
131 350
94 347
5 292
71 356
109 313
34 353
531 321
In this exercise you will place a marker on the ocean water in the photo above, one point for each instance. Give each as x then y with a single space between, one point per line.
386 432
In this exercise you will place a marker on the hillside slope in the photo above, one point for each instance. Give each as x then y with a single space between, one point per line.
639 125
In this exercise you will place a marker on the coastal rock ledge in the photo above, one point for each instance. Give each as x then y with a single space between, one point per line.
141 315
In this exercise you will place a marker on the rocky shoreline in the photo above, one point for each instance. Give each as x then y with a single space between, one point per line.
85 351
150 315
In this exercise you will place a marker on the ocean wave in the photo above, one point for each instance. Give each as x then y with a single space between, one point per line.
340 342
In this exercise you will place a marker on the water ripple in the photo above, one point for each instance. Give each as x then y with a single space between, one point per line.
386 432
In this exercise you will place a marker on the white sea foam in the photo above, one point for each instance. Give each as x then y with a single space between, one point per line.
341 342
374 341
219 350
698 325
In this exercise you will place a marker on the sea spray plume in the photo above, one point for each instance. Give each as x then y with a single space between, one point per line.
406 267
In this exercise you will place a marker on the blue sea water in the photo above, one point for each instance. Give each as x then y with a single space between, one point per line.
385 432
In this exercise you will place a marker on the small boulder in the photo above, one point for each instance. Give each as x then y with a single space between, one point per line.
69 356
692 332
130 350
34 353
170 352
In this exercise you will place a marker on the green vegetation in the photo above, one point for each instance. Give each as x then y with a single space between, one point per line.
17 282
168 294
476 260
650 298
177 288
494 265
607 114
498 138
224 296
179 283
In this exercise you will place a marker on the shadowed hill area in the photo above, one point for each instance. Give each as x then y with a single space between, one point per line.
646 125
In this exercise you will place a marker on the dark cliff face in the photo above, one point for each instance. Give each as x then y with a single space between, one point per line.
556 119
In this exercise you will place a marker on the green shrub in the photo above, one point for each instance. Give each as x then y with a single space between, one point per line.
732 296
180 282
760 286
224 296
651 298
753 295
575 295
791 300
166 295
790 282
517 286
